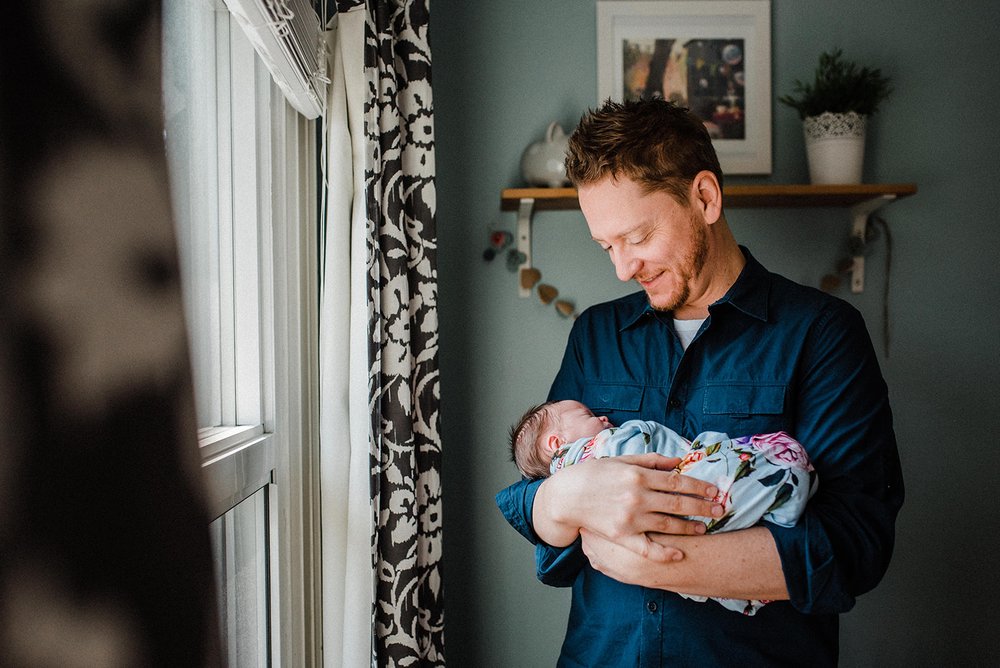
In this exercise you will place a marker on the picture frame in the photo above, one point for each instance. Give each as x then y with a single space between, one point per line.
711 56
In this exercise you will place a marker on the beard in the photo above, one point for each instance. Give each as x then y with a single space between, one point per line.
687 269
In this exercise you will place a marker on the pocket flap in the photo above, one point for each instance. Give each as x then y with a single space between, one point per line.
604 397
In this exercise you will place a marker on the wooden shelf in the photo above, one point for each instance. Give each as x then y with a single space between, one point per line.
733 197
862 200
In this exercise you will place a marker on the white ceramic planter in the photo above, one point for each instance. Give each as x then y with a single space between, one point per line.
835 147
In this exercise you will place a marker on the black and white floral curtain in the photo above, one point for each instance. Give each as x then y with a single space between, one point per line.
404 384
104 545
380 450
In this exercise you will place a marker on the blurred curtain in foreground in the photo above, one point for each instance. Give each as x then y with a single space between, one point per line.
104 546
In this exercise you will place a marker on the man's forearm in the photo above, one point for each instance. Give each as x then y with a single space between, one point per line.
740 564
550 527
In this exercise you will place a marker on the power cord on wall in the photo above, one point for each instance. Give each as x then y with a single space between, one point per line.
888 269
858 246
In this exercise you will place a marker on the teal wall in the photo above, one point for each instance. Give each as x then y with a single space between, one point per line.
504 69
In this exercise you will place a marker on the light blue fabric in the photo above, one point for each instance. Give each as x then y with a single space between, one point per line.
767 476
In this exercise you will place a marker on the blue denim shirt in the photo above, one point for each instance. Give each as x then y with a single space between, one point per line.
772 356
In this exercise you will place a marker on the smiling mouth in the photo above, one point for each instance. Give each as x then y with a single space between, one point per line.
648 281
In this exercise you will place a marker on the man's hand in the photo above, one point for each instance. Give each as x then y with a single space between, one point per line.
639 561
623 498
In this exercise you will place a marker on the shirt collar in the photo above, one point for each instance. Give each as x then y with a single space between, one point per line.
749 294
634 307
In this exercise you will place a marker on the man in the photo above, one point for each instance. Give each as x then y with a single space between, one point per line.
712 342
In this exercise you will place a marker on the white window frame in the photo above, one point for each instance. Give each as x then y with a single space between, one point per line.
263 416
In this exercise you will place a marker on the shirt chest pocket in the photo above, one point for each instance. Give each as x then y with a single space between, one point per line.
741 409
619 402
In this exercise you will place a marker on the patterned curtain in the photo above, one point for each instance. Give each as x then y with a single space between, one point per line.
105 557
404 382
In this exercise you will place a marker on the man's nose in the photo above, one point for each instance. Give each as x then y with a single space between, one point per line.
625 266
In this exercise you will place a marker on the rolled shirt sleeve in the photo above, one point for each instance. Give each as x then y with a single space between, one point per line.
555 566
515 503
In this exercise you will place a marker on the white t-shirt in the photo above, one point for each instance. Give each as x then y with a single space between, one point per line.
686 329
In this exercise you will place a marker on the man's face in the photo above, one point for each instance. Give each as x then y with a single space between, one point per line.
650 238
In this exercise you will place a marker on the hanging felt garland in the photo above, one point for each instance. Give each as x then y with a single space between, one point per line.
499 240
529 277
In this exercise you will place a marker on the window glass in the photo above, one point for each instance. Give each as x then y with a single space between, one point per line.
239 542
192 133
212 128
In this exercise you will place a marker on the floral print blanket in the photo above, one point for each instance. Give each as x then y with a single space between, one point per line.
761 477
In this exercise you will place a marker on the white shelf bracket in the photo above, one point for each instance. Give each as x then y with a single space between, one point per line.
524 210
859 217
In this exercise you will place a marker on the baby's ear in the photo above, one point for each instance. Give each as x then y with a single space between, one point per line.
553 442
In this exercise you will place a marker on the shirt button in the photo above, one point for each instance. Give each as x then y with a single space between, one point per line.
651 606
674 403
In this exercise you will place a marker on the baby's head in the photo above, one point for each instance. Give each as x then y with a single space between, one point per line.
545 428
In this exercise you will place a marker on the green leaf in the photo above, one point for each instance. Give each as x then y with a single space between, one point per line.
784 493
773 479
717 524
744 469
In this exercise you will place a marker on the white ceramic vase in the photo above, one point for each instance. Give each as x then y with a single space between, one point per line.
835 147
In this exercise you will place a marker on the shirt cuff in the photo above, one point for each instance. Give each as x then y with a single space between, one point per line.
515 503
559 566
814 583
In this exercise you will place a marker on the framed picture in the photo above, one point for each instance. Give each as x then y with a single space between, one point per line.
711 56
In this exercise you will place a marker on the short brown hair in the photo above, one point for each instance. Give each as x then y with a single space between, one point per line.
524 435
654 142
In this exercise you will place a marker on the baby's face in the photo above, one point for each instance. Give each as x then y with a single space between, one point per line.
576 421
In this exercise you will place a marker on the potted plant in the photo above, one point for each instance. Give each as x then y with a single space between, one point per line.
834 109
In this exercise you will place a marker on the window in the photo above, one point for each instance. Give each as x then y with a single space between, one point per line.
243 187
213 140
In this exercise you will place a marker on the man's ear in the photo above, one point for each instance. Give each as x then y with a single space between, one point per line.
553 442
706 195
